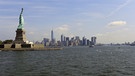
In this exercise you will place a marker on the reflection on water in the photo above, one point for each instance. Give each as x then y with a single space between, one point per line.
73 61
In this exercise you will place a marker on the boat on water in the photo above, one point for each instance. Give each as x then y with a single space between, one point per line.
91 45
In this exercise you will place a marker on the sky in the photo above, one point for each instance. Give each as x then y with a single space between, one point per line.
111 21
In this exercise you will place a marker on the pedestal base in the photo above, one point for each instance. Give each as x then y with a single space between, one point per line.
20 37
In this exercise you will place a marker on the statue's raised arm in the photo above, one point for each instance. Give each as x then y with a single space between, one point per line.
21 11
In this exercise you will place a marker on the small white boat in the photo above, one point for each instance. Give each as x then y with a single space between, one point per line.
91 46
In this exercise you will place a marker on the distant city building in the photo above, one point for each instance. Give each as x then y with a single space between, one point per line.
62 40
81 42
46 42
77 38
93 40
72 41
37 42
52 43
58 43
88 42
52 36
67 41
84 41
77 41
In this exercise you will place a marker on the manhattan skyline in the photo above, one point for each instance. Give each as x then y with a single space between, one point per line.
110 21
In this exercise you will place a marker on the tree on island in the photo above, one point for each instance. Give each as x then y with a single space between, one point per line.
0 42
7 42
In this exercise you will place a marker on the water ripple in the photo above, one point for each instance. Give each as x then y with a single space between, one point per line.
73 61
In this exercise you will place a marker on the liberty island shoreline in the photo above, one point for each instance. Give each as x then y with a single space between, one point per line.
29 49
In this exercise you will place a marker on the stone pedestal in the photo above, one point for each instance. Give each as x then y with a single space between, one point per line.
22 46
20 37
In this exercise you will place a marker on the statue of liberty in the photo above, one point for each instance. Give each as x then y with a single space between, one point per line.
21 21
20 32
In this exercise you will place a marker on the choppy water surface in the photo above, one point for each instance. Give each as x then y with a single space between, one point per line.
73 61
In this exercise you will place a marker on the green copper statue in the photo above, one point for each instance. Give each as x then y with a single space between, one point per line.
21 21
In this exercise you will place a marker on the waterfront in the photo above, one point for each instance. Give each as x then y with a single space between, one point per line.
71 61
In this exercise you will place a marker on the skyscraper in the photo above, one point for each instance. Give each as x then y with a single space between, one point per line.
52 36
67 41
84 41
52 39
62 38
93 40
46 42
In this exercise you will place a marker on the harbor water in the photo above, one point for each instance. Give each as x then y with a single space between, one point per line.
70 61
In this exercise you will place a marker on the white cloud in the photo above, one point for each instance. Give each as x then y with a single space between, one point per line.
98 35
63 28
116 24
79 24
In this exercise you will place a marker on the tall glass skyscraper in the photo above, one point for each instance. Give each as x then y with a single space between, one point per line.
52 36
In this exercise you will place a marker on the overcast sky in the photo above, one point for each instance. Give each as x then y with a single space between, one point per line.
111 21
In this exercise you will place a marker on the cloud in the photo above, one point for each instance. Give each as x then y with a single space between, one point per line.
79 24
63 28
117 24
98 35
119 7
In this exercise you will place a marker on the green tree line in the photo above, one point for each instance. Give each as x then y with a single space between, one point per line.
6 42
